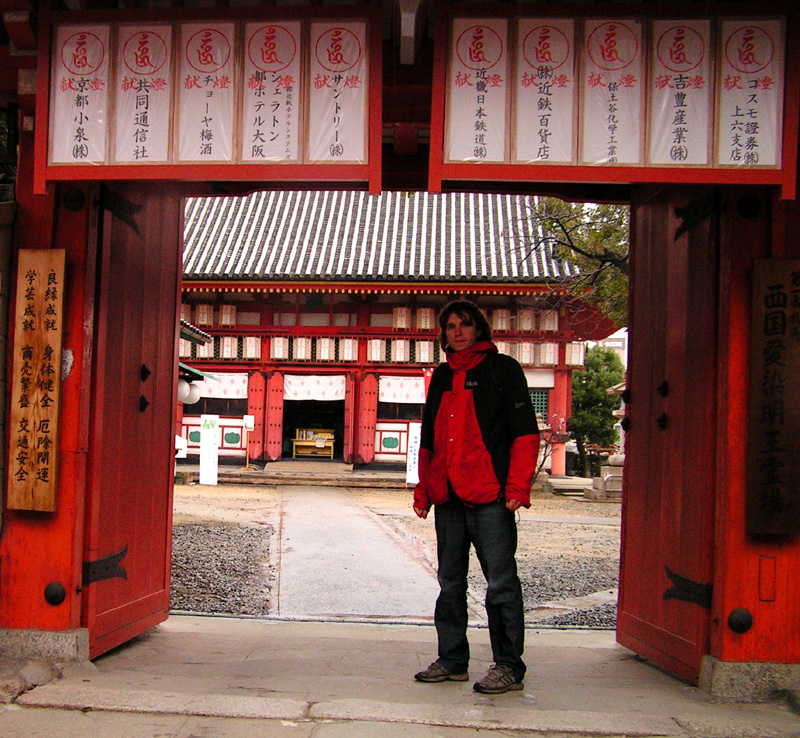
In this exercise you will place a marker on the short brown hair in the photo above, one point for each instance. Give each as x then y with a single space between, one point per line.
470 313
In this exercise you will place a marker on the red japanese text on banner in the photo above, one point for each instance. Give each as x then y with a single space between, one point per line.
338 93
206 109
271 89
750 93
79 95
142 88
36 380
545 91
680 91
613 87
477 86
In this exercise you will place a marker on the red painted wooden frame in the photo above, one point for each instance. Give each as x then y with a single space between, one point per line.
786 177
369 173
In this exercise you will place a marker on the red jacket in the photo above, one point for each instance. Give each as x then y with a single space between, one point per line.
479 431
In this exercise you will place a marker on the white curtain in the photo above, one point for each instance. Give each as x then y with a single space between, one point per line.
313 387
402 389
229 386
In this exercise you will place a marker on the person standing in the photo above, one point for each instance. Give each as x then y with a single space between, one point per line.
478 453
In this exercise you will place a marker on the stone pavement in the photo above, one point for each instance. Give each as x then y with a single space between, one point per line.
226 678
312 671
337 560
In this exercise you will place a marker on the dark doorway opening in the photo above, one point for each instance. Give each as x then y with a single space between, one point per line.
313 414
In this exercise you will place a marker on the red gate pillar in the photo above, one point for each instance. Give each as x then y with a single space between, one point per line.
758 576
560 408
41 553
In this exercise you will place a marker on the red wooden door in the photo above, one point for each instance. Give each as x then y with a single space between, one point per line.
274 436
256 406
367 418
129 508
668 499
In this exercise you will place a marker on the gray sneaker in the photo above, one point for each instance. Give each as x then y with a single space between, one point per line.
437 673
500 679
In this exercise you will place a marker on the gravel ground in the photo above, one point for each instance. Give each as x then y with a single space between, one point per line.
234 581
568 566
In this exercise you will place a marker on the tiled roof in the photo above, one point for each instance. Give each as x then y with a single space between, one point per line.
192 333
344 236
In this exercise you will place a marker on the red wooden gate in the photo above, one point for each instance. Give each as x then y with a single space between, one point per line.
129 508
666 570
274 436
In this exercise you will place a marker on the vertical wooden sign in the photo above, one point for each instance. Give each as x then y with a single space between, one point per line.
773 447
36 380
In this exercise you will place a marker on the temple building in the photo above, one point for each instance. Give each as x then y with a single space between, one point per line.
323 311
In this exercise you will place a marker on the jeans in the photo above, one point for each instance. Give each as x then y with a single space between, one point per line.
492 530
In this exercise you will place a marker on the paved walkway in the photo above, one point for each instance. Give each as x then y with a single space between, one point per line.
338 560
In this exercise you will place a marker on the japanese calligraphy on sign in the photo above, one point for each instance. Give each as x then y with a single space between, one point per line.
545 91
337 93
206 92
143 84
477 87
36 379
613 92
750 93
680 93
773 446
79 95
270 119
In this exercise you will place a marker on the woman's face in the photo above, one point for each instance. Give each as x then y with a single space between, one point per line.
460 334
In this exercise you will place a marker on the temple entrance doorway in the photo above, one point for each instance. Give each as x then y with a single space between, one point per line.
313 429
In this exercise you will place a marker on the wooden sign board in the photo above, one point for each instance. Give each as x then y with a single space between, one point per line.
36 381
773 447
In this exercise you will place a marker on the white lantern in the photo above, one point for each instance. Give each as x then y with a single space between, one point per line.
194 395
183 390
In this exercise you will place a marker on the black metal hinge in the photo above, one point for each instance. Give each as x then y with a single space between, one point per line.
105 568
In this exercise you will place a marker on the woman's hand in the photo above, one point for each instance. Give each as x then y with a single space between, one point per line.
422 512
513 505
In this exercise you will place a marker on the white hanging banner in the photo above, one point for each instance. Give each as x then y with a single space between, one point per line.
613 88
402 389
338 93
750 93
680 90
143 85
206 109
477 85
271 99
545 91
79 95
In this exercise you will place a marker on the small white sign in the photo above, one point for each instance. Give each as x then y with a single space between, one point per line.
209 448
412 455
249 422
